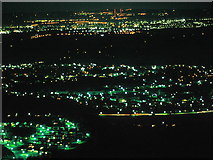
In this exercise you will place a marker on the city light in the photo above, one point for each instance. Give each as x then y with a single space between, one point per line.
34 139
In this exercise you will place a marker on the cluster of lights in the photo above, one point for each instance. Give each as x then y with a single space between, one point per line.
57 133
154 90
91 27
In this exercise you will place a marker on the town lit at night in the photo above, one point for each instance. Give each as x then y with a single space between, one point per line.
110 79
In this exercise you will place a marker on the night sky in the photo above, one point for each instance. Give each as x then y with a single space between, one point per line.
79 6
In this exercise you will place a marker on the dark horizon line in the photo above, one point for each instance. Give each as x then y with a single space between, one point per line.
111 9
91 6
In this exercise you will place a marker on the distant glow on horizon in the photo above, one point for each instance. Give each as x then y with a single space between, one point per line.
105 22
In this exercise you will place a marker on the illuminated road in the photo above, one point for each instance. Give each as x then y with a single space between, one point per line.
157 114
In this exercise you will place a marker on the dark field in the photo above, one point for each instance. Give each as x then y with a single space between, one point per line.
172 46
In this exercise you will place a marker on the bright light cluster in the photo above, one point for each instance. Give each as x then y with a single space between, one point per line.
68 27
39 135
116 89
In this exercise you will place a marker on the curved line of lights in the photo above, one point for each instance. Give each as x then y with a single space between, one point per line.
155 114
